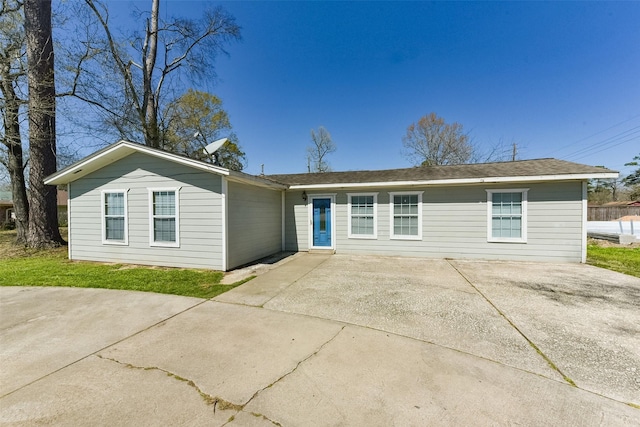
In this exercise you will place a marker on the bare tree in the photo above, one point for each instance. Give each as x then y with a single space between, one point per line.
502 151
43 218
13 75
431 142
144 69
321 146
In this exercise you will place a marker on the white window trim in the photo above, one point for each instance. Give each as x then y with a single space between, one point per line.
124 242
523 238
310 198
375 217
152 242
392 234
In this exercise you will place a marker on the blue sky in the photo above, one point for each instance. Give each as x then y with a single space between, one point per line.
560 79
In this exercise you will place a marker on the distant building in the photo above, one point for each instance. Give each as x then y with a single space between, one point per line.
8 215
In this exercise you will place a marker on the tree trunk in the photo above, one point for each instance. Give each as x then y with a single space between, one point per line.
43 215
15 163
152 136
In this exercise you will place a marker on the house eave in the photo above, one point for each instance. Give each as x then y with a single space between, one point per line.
116 152
244 178
459 181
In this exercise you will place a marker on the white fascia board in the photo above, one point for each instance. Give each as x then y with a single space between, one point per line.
117 152
504 179
102 158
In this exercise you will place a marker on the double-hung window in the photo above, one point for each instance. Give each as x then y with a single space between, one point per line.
507 215
362 209
114 217
164 221
406 215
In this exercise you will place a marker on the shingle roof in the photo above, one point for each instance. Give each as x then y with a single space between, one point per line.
522 168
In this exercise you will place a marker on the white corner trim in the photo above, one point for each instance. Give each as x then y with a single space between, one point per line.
103 224
392 235
69 221
152 242
585 210
225 223
283 244
524 217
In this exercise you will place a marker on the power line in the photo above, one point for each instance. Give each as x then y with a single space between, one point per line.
604 144
594 134
605 148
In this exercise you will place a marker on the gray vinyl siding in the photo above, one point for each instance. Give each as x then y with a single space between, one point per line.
296 222
254 223
454 224
200 222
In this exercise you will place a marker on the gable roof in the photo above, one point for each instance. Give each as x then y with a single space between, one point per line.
517 171
121 149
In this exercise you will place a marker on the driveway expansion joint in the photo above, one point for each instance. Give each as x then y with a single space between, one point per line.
408 337
513 325
294 282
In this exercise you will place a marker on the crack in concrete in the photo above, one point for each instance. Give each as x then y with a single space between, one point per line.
264 417
217 402
144 329
290 372
513 325
255 414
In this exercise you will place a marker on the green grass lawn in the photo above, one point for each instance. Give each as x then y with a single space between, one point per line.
23 267
624 260
20 267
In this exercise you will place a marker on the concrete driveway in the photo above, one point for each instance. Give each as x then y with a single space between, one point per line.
332 340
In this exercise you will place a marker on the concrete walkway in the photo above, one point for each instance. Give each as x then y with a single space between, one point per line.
267 353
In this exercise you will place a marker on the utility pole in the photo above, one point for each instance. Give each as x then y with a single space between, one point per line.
515 152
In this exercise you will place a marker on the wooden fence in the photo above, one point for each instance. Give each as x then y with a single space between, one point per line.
610 213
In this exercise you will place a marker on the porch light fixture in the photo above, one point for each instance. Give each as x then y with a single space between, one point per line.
304 196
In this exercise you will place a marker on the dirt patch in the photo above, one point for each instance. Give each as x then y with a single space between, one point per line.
609 244
9 249
629 218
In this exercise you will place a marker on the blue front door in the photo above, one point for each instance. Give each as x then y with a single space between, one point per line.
321 222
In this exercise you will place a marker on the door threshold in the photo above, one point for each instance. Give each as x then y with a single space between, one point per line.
322 251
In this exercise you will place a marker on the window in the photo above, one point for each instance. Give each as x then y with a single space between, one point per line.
164 214
363 215
507 215
406 215
114 217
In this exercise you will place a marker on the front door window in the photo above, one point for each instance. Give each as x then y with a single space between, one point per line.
322 222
